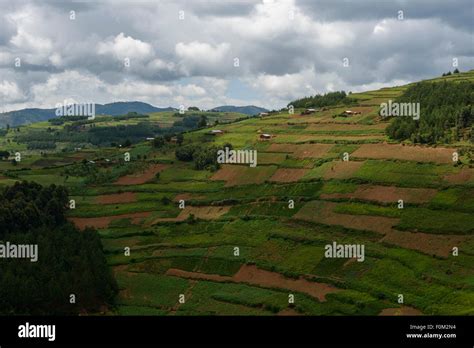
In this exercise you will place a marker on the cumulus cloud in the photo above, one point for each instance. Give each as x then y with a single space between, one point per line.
125 47
202 58
10 93
286 49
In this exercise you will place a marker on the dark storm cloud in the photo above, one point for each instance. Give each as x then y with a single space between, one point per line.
221 8
456 13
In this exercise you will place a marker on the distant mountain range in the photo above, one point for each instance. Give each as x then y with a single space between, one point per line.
27 116
247 110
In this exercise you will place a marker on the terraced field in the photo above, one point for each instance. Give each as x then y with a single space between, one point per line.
247 241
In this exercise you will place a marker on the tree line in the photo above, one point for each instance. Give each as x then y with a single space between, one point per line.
321 100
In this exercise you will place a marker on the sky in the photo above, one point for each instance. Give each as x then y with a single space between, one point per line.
208 53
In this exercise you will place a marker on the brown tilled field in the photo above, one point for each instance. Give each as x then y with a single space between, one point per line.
243 175
270 158
104 221
323 212
251 274
288 174
286 148
408 153
141 178
328 127
342 170
385 194
312 150
404 310
464 175
204 213
431 244
124 197
187 197
302 150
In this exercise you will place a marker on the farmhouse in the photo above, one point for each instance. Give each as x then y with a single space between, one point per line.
350 112
216 132
174 140
265 136
263 114
308 111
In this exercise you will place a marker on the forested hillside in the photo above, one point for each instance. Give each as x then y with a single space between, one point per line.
446 113
69 262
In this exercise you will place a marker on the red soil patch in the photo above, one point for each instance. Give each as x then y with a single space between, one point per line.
464 175
409 153
143 177
385 194
125 197
342 169
104 221
404 310
431 244
288 174
252 275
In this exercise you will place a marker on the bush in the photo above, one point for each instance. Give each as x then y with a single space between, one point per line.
158 142
185 153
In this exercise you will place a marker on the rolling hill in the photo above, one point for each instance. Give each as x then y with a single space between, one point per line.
247 110
27 116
